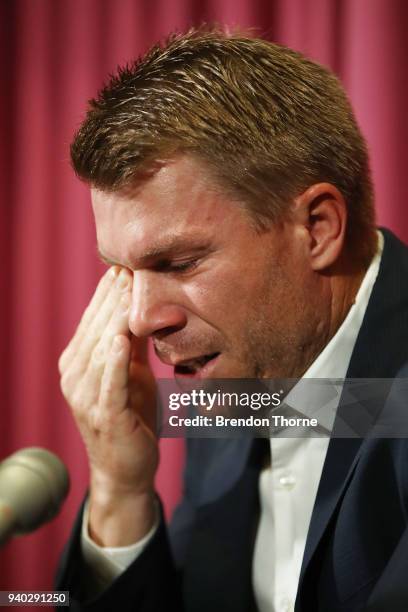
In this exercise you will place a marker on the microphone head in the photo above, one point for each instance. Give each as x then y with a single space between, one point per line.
33 484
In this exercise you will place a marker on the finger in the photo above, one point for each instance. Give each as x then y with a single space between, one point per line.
106 320
81 382
114 386
81 350
141 382
93 369
108 280
99 297
95 324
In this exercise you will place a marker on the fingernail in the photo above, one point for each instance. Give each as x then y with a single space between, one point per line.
123 278
113 272
117 344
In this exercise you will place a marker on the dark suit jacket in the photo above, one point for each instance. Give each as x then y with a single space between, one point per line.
356 555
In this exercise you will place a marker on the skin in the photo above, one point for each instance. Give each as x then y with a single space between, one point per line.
267 302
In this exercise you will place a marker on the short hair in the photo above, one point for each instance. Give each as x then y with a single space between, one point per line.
267 121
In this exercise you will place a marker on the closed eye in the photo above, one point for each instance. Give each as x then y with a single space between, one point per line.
172 266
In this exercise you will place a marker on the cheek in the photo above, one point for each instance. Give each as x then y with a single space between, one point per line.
223 294
207 295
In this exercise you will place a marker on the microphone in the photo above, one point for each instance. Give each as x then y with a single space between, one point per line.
33 484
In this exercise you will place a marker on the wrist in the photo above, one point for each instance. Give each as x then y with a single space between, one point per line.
121 520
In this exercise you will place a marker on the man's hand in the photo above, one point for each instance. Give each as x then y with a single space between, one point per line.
106 379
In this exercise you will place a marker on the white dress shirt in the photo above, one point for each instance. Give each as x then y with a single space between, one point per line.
287 487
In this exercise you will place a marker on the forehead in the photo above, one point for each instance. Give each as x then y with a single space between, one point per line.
178 201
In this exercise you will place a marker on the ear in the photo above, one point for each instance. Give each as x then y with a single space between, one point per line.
322 212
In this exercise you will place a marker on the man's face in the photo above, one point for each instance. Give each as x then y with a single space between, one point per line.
218 298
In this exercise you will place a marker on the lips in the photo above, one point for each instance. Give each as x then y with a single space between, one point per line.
193 367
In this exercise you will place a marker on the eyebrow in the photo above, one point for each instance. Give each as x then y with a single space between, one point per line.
174 246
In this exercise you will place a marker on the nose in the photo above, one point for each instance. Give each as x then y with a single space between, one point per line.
154 307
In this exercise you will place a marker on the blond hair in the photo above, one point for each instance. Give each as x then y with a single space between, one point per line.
267 121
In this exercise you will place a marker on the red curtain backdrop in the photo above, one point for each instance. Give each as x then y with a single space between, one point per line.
54 56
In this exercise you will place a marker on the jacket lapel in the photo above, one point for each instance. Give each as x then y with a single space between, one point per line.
219 557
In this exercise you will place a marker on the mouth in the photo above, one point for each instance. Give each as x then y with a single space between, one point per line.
199 367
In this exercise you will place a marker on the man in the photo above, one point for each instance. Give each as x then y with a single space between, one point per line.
232 198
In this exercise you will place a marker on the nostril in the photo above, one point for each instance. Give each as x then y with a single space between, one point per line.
166 331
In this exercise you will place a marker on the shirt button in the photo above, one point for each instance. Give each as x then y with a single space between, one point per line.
287 481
